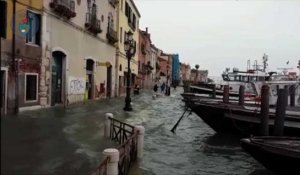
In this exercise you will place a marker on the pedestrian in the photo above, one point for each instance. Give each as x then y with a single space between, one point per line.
174 85
155 88
136 89
162 87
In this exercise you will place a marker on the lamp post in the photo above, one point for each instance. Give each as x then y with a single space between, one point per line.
197 67
130 49
299 69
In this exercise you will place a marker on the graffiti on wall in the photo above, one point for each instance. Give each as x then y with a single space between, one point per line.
76 85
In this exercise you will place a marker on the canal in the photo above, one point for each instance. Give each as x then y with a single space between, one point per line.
195 149
70 141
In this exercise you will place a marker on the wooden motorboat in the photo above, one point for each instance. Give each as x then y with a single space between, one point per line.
278 154
242 120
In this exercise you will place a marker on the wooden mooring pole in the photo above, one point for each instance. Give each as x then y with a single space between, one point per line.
292 95
226 94
264 111
241 95
214 91
282 102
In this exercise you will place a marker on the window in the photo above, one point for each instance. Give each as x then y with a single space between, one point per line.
3 19
127 9
110 21
134 21
34 21
125 36
121 33
31 86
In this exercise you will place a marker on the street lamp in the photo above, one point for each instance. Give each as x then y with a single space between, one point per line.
197 67
130 49
299 69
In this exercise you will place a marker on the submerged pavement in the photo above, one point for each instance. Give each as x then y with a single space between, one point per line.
59 140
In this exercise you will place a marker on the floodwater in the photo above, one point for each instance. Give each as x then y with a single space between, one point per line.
70 141
194 149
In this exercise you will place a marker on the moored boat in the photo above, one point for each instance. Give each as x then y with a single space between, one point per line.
242 120
278 154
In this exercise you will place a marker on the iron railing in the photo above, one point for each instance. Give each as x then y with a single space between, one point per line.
125 135
92 23
120 131
64 7
128 154
111 35
113 2
101 169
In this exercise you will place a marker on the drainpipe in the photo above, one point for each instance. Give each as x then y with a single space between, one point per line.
14 61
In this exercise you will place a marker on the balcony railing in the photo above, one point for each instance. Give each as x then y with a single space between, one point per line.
64 8
114 3
92 23
111 35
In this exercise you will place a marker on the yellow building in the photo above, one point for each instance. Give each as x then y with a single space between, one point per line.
128 20
20 70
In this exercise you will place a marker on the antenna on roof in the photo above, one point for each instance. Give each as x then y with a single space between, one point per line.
265 59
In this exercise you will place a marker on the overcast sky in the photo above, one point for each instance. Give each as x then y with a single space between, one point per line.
225 33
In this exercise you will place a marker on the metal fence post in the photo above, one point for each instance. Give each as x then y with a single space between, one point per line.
107 124
140 141
112 165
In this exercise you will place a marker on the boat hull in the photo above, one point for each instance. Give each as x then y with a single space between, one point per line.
275 153
236 120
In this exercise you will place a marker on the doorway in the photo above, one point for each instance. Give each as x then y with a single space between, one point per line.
89 78
109 81
3 91
57 77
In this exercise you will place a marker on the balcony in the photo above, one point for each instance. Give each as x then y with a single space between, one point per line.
111 35
64 8
113 3
92 23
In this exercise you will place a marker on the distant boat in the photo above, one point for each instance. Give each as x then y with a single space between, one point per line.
278 154
253 80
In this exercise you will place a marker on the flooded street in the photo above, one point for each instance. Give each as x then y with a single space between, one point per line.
70 141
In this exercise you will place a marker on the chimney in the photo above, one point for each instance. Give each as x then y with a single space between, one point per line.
147 30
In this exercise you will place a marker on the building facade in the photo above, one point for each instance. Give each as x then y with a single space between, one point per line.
78 51
154 63
128 20
145 62
185 71
175 69
165 67
21 52
199 76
